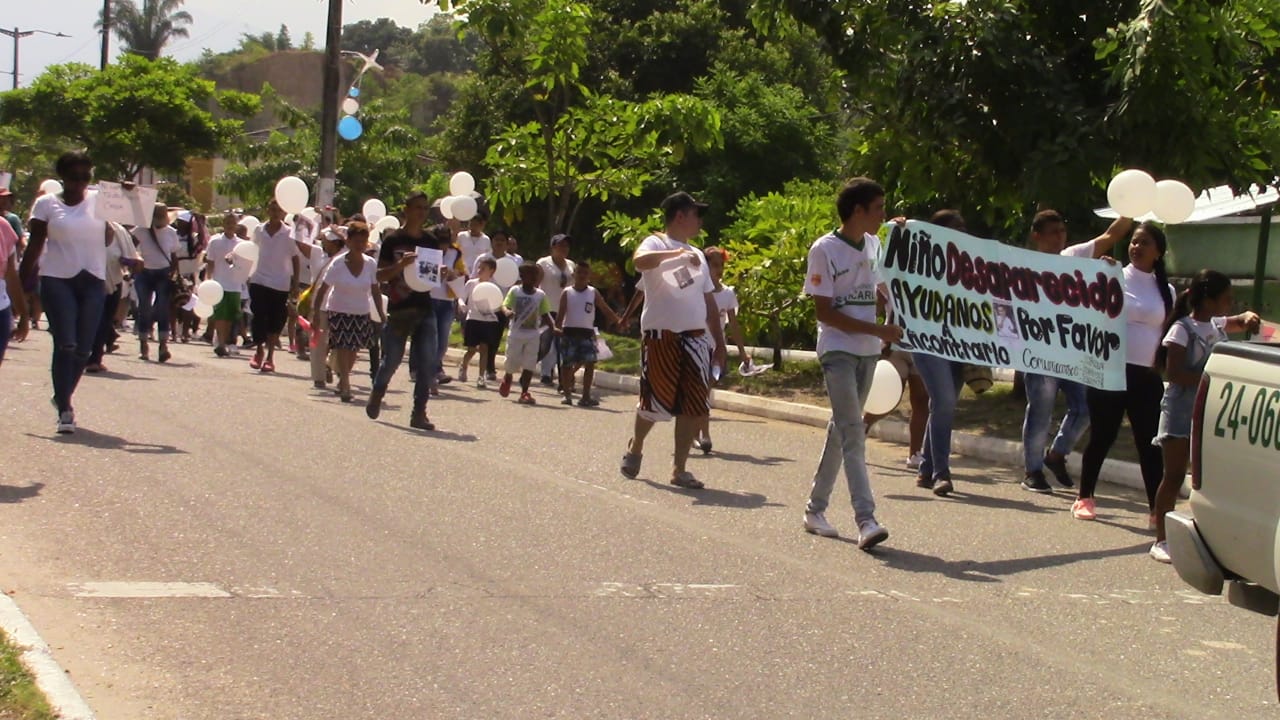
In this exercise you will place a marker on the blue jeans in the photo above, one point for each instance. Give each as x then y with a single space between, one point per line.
848 379
1042 390
148 283
6 328
73 307
444 312
943 380
422 341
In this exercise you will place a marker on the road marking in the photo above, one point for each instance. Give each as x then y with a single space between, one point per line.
148 590
663 591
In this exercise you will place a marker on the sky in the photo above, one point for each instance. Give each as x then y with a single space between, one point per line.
217 25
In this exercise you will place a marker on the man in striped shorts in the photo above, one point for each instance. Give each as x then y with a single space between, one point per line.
682 337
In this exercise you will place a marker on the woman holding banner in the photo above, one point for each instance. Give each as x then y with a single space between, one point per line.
1148 298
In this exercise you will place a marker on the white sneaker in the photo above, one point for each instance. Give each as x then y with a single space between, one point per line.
871 534
913 462
1160 552
66 422
481 384
817 524
233 350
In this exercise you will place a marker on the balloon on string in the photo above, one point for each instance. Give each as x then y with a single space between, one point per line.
351 106
464 208
1174 201
373 210
446 207
354 92
246 251
1132 193
486 297
462 183
292 194
51 187
249 222
210 292
350 128
507 273
203 310
390 222
415 281
886 390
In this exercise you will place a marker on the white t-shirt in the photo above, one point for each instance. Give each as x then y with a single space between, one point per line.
847 275
274 268
349 293
579 307
529 309
156 254
472 246
667 306
474 311
475 268
1211 332
223 272
8 254
1082 250
120 249
726 300
77 239
1144 314
555 280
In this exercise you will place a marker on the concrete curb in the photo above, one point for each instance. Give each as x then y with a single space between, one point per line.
993 450
52 680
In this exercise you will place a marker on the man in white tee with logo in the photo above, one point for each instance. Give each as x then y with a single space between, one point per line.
842 281
676 358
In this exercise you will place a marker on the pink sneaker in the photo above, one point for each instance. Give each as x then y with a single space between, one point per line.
1084 509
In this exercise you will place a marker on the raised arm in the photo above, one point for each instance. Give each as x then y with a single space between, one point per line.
1117 231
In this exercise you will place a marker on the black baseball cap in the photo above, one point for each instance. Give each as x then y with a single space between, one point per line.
682 201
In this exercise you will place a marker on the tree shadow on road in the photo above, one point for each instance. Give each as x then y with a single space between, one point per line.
991 570
102 441
718 498
16 494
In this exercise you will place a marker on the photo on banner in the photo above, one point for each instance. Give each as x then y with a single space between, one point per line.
428 265
986 303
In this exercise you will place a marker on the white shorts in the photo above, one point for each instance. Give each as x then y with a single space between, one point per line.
522 354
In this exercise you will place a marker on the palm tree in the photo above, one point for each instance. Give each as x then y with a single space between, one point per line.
145 31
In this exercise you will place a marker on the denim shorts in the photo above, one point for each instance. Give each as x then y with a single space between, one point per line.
1176 409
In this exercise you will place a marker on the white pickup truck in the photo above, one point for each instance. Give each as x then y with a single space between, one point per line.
1231 535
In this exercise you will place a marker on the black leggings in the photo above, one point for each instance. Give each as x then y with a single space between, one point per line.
1141 401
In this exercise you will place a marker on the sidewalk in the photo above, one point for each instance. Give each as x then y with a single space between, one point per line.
993 450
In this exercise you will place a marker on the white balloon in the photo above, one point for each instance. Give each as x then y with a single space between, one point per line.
461 183
373 210
1174 201
415 283
1132 193
446 207
209 292
246 251
886 390
311 214
351 106
464 208
249 222
292 194
390 222
486 296
203 311
51 187
508 273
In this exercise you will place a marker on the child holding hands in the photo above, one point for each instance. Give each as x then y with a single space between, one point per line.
575 328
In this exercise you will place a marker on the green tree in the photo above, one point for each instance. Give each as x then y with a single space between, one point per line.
146 30
436 47
382 34
308 41
283 39
137 113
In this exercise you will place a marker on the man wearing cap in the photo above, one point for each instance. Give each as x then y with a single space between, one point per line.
676 356
556 271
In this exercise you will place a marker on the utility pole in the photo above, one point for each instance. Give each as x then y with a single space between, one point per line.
106 34
329 109
17 35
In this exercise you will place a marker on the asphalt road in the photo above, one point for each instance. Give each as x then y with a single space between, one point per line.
501 567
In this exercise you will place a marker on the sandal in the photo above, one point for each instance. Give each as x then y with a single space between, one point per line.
164 353
687 480
631 465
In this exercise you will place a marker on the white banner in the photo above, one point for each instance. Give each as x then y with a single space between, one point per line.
127 206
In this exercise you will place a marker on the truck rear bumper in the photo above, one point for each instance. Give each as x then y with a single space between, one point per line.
1191 557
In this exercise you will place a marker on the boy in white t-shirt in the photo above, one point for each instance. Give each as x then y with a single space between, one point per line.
529 310
576 333
219 263
473 242
480 328
842 281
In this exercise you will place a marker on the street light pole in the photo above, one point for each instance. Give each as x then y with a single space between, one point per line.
17 35
106 34
325 184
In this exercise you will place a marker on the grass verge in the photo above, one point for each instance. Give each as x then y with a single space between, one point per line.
20 699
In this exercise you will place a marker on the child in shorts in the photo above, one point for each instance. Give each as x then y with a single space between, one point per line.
480 330
576 334
529 309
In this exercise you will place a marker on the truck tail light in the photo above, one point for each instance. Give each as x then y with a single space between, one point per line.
1197 430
